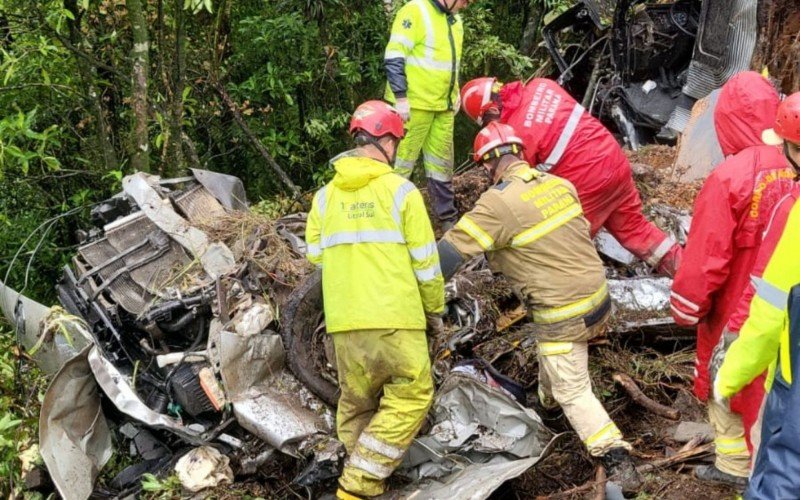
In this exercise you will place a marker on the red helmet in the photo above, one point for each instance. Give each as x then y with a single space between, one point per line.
489 142
377 119
787 124
476 97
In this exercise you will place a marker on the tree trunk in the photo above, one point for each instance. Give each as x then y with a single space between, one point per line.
94 102
174 151
530 35
140 150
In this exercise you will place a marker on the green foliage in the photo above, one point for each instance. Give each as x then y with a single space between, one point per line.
486 53
21 145
155 488
295 68
20 398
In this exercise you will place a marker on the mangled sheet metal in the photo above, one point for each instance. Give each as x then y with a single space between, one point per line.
698 149
216 258
74 437
28 317
639 298
267 400
481 437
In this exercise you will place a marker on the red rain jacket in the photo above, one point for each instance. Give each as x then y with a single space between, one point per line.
564 139
730 215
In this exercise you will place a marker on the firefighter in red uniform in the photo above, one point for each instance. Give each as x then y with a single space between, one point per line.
563 139
730 215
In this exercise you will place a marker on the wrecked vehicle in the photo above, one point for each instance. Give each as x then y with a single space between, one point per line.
640 65
182 312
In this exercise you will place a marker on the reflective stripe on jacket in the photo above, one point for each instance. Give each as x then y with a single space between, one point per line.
423 55
532 227
370 232
731 213
764 333
562 138
776 473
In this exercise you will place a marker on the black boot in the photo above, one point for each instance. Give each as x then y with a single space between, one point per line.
711 474
553 418
621 470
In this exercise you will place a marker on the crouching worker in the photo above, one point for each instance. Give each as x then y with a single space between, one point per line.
369 231
531 226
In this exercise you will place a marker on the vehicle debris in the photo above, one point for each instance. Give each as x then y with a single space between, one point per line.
203 467
201 324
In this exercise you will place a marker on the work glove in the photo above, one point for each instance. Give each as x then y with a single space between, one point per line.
435 324
457 104
404 108
718 397
718 354
717 358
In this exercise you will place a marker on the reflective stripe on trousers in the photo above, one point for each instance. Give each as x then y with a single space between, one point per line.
574 310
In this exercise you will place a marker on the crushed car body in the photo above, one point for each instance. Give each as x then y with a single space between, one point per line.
175 331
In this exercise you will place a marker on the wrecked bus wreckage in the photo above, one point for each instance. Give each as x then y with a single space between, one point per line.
639 66
187 321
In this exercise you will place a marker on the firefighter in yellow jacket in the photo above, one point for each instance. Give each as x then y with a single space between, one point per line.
421 62
369 231
531 226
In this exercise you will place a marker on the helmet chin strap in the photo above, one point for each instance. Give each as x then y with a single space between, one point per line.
378 146
449 8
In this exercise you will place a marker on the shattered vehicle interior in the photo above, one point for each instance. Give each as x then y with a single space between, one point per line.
194 321
627 61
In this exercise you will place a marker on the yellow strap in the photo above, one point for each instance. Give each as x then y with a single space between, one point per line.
482 237
608 432
574 310
343 495
785 351
553 348
731 446
547 226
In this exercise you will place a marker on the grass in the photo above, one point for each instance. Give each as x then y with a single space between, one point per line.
22 388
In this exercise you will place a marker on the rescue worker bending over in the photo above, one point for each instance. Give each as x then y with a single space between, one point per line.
531 226
563 139
369 231
730 215
421 61
764 339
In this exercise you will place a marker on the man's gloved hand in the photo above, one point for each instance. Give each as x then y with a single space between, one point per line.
435 324
404 108
717 358
457 104
718 354
718 397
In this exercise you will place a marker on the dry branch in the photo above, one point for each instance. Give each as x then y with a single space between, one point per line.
237 116
639 397
677 458
600 479
598 485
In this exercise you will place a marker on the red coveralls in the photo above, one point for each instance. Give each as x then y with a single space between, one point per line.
563 139
730 215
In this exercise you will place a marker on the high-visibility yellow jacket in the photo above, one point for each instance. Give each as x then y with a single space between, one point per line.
370 232
764 336
423 55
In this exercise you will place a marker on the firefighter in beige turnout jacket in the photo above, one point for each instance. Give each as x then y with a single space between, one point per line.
531 226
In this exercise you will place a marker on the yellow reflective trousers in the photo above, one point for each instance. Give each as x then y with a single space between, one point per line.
431 133
386 391
564 380
732 455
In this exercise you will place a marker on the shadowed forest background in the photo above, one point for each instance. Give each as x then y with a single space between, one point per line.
95 89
